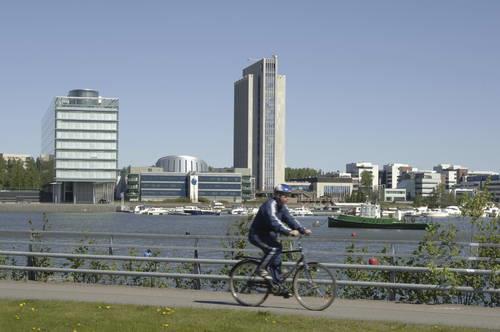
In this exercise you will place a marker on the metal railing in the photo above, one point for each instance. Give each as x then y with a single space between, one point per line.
200 276
39 238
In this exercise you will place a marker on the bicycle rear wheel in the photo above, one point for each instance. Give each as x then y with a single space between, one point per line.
246 287
314 286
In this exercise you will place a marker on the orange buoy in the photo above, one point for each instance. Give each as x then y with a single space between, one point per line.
373 261
354 234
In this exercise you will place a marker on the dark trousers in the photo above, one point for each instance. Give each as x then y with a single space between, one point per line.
272 253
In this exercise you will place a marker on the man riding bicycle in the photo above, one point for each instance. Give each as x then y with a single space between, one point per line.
272 219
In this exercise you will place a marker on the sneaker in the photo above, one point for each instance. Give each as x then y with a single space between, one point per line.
285 293
265 275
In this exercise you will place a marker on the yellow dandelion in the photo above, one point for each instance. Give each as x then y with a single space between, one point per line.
33 309
33 328
78 324
158 309
165 325
22 304
274 322
38 329
108 307
75 331
164 313
100 307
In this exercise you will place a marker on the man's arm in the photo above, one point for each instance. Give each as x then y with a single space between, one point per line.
276 224
294 223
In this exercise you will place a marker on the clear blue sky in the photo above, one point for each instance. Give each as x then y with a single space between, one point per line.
382 81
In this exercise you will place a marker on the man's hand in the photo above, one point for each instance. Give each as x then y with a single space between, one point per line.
307 231
294 233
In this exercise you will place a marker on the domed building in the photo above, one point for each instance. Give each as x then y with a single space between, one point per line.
182 164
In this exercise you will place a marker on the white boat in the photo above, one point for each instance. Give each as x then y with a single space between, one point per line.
491 211
178 211
301 211
453 210
156 211
141 209
209 211
239 211
194 210
218 206
436 213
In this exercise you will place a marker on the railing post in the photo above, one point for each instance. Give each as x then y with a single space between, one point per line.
29 260
110 249
392 274
196 267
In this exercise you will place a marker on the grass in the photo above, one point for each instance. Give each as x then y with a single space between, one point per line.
79 316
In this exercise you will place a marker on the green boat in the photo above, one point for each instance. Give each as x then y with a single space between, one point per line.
347 221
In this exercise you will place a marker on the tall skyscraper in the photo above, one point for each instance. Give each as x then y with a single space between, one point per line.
80 136
259 123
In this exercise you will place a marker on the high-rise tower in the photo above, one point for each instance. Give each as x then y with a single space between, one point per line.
259 123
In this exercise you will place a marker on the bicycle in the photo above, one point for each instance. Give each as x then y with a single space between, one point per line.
313 284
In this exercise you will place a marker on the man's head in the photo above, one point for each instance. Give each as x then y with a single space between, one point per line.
282 192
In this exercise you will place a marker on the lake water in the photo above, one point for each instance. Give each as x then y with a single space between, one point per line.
329 241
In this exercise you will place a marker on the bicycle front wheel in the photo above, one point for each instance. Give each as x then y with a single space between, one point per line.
314 286
246 287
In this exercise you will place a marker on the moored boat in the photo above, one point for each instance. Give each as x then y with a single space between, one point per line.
301 212
347 221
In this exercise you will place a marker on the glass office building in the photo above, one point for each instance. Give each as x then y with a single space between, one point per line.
164 186
80 133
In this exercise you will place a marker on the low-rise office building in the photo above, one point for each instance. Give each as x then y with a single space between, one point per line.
394 195
163 186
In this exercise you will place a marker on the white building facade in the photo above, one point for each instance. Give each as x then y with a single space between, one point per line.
80 134
357 169
426 182
259 123
392 173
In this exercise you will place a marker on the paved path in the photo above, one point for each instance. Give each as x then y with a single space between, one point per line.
470 316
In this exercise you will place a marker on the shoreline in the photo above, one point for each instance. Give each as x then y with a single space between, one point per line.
51 207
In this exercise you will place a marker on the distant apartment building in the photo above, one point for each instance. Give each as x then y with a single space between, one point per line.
358 168
451 174
259 123
392 173
426 182
80 134
15 157
482 181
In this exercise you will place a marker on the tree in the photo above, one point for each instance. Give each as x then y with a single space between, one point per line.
3 172
15 174
367 180
366 186
31 176
356 197
300 173
46 171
